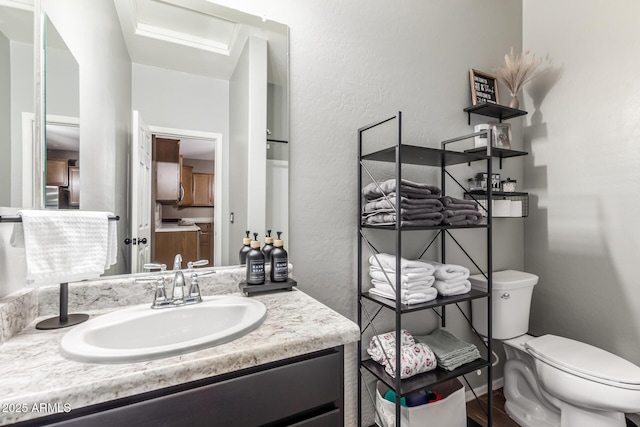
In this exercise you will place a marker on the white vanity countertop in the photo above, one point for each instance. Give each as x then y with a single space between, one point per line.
169 227
32 370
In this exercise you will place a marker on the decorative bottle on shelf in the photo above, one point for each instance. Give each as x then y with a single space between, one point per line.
279 261
246 241
268 247
255 263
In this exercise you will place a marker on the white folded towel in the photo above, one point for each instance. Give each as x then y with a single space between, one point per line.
452 288
65 246
413 298
447 272
407 279
405 292
388 262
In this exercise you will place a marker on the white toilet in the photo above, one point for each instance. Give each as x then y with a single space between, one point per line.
551 380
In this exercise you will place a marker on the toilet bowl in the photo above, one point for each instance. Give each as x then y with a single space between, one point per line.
550 380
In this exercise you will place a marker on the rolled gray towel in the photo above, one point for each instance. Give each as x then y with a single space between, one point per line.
407 188
448 201
431 219
405 204
461 217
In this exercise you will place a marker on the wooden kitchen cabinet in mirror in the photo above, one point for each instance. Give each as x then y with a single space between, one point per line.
167 159
74 186
202 189
186 180
206 240
57 173
170 243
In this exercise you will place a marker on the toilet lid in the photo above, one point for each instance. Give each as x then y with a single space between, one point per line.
585 361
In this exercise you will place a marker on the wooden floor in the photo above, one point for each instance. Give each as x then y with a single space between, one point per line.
477 417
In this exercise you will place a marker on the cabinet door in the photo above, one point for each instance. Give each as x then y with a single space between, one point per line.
186 178
57 173
202 189
167 162
206 242
168 244
74 186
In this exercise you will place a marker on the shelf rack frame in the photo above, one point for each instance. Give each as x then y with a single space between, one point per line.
400 154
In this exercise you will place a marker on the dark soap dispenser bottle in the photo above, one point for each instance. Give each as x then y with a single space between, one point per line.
244 250
268 247
279 261
255 263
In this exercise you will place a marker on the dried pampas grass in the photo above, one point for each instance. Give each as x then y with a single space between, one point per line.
518 70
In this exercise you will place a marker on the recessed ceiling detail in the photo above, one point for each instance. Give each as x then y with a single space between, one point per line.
167 21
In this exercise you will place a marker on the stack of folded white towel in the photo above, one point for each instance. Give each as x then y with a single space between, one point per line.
450 351
416 281
415 358
419 204
450 279
460 211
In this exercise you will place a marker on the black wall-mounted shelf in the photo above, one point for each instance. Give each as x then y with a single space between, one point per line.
497 111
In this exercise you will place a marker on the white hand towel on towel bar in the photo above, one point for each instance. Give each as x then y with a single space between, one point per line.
66 246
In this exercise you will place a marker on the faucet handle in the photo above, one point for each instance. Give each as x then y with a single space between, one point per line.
154 266
199 263
194 287
160 298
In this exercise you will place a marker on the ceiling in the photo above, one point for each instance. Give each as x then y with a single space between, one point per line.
197 36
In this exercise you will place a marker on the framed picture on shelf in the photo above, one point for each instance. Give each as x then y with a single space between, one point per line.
501 135
484 87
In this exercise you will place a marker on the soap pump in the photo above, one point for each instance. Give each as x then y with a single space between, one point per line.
279 261
246 242
268 247
255 263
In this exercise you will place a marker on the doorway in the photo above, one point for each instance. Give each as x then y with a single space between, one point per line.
196 210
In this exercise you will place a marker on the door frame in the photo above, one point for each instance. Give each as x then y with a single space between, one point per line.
221 176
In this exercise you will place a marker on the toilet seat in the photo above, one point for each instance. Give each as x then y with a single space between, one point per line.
585 361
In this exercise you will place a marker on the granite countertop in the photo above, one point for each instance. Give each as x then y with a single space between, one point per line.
34 372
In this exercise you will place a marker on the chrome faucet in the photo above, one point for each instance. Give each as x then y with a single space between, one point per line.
178 288
178 297
177 262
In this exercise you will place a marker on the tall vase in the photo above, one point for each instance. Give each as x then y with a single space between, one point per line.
514 103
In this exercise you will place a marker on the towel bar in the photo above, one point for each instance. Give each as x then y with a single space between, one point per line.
18 218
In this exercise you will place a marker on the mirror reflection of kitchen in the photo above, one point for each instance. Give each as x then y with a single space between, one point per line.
183 195
63 167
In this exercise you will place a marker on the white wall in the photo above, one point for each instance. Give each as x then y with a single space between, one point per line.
584 133
21 102
247 147
173 99
5 120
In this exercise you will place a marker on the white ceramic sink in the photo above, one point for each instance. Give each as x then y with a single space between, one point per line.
140 333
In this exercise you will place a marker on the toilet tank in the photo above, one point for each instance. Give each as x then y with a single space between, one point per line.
510 303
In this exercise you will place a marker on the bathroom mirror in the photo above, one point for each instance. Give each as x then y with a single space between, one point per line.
62 121
174 62
16 98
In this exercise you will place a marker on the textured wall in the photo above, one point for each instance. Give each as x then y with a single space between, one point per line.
356 62
584 133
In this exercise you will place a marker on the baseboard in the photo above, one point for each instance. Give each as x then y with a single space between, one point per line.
496 384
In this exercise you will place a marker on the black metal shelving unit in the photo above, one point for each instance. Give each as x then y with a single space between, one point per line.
401 154
497 111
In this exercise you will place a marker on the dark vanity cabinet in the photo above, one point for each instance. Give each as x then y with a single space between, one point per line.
303 391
